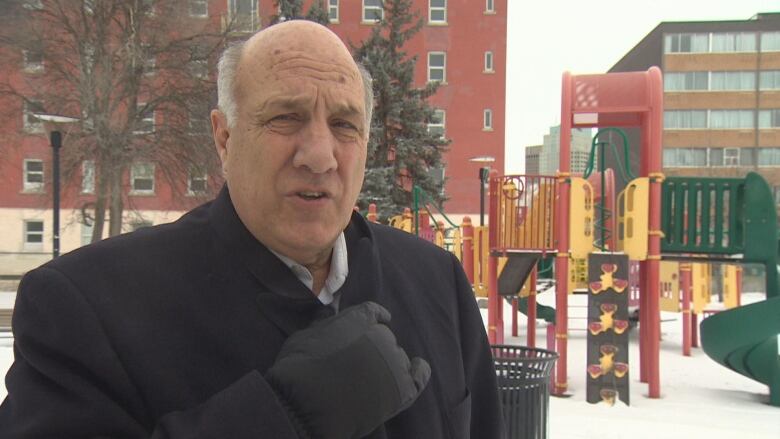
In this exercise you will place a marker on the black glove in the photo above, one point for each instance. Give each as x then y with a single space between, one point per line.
344 376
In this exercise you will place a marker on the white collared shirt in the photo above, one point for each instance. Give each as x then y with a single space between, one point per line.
339 269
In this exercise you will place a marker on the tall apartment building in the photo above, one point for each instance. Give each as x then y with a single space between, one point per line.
721 95
462 45
550 155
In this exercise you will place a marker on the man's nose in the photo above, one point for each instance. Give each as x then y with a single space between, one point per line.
316 150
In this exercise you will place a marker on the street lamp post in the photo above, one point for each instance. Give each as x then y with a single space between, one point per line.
55 138
53 124
484 174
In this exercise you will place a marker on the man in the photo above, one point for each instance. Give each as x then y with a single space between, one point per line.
222 324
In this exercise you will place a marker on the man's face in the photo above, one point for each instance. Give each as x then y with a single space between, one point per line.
294 161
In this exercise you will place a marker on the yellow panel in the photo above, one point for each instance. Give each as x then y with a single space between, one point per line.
730 288
580 218
621 219
578 274
635 208
700 274
481 261
670 286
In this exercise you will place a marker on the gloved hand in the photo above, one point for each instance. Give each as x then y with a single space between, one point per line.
345 375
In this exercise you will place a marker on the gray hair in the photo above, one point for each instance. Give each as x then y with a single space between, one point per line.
227 69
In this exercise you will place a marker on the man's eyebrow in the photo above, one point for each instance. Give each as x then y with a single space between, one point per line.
345 109
284 102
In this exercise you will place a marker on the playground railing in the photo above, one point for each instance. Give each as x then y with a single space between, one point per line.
523 207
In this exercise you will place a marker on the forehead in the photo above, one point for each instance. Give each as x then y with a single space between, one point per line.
297 76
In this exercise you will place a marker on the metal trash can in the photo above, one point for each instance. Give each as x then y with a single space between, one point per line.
523 376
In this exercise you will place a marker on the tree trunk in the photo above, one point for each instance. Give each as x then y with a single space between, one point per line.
116 205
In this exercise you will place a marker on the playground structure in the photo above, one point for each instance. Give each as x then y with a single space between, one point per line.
693 220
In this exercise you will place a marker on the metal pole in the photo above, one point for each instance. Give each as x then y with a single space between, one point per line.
56 143
483 177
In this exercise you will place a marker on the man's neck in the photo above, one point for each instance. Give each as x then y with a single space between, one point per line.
319 272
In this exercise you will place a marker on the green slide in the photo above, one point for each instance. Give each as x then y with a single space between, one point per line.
542 311
747 340
512 278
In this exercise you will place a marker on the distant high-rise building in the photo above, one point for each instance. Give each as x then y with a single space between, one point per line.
550 156
721 95
532 159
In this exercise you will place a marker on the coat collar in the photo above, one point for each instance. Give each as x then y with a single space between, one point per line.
282 298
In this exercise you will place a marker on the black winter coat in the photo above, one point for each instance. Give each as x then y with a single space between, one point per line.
166 333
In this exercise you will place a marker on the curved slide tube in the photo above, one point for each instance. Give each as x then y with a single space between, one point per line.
747 341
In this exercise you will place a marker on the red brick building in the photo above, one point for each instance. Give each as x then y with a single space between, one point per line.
462 44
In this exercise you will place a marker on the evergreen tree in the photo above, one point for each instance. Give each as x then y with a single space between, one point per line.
401 151
293 10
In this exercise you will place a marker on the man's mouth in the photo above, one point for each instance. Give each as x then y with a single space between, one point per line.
310 195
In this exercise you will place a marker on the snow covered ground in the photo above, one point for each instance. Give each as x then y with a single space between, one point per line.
700 398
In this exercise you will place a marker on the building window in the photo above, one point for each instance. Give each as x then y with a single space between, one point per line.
490 6
197 125
489 61
142 178
199 8
333 11
197 182
487 120
730 156
734 42
148 7
32 4
437 11
685 157
86 233
145 120
746 157
769 157
731 119
716 157
33 60
373 11
685 119
149 61
243 15
776 193
199 68
33 175
733 81
88 177
33 235
437 66
686 81
686 43
770 41
31 123
437 123
769 80
769 119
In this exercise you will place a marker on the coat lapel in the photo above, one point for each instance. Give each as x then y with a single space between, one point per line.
281 297
364 282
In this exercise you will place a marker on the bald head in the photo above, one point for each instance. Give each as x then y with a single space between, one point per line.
297 47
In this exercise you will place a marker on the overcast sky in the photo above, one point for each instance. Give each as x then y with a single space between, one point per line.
547 37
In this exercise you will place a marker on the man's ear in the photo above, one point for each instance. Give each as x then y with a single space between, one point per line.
221 133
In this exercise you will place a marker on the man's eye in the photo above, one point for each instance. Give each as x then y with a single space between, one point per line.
344 125
284 118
